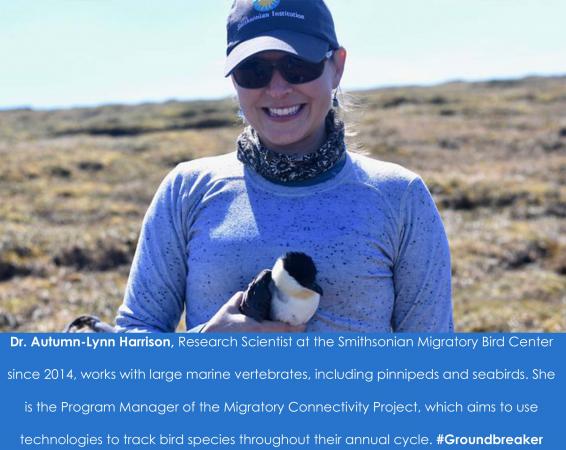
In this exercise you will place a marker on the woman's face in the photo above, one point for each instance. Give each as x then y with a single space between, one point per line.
290 118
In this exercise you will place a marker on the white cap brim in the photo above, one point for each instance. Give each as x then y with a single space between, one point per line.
303 45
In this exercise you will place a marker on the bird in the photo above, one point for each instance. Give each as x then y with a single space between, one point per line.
287 293
88 324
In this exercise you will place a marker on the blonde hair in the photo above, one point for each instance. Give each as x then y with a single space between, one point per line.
346 104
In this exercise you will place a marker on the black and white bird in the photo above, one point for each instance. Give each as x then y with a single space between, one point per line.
88 324
287 293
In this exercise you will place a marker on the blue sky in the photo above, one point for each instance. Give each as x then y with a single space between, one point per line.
62 53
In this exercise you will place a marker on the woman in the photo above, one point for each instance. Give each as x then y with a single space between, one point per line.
215 223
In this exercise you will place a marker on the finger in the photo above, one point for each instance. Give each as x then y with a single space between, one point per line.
298 328
282 327
233 305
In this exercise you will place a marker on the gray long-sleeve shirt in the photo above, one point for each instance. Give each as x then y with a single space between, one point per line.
372 229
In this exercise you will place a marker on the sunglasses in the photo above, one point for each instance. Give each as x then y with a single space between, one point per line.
256 72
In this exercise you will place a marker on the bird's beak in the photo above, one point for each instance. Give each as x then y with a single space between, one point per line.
315 287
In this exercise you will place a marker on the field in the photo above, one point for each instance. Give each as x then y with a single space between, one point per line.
74 185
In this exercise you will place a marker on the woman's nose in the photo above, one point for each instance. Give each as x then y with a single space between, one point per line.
278 87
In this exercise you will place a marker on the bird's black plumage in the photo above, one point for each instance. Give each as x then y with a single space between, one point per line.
88 324
301 267
256 301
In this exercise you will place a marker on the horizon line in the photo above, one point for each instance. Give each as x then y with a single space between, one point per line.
24 107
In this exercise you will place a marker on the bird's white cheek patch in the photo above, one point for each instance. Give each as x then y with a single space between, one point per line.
284 281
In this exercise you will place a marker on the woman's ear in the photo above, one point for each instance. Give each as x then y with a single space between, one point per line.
339 60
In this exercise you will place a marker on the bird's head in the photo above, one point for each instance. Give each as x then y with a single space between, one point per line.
295 274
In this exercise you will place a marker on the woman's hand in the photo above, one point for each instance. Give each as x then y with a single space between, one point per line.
229 319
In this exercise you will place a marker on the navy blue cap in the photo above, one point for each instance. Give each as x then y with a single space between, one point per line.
301 27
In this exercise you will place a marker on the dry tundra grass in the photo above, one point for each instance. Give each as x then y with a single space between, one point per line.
76 183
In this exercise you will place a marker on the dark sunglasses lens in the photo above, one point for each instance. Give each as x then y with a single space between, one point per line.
298 71
253 73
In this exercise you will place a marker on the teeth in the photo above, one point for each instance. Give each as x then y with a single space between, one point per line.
279 112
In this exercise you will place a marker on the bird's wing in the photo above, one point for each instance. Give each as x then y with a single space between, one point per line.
256 301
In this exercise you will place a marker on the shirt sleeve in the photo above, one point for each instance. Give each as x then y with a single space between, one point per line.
422 272
155 294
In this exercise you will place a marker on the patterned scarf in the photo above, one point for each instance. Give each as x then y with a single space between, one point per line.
293 167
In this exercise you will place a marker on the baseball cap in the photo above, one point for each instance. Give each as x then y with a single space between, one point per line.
301 27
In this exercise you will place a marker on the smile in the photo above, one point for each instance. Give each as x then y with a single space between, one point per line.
283 112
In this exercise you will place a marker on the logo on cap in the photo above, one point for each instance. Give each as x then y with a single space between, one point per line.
265 5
